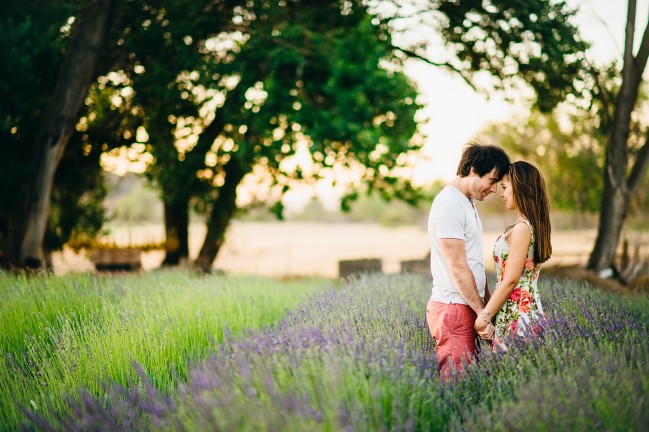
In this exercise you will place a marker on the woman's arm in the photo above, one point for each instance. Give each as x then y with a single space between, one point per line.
519 243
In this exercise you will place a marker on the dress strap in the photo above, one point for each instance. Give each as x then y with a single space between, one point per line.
529 226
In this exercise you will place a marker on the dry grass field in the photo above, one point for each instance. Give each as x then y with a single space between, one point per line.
287 249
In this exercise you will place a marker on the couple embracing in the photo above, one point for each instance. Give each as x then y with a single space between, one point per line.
462 307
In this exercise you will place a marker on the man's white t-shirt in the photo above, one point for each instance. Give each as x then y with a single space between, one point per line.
454 216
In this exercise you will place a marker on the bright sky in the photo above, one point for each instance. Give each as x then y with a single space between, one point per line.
457 113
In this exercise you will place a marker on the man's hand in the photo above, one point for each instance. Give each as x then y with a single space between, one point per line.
484 328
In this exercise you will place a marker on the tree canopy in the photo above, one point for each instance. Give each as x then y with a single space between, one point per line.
217 90
304 73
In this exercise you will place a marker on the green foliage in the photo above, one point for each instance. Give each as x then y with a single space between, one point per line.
33 39
361 357
328 72
568 149
518 43
35 35
60 334
237 93
332 91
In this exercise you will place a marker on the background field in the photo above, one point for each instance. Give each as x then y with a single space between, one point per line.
310 248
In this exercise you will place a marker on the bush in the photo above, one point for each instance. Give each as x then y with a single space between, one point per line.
362 359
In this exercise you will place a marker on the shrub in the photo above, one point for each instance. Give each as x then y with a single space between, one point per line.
361 358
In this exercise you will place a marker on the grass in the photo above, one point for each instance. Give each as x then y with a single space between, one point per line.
60 334
361 358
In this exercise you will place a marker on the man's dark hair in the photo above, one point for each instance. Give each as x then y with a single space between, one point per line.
483 158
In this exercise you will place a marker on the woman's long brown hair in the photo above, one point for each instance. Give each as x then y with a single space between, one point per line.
531 199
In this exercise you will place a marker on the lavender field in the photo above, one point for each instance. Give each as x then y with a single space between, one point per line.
59 335
354 357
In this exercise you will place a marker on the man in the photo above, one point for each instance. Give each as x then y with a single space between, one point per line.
460 288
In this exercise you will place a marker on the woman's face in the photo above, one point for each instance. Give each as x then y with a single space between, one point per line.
507 193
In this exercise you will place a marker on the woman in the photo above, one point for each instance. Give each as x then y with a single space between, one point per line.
518 254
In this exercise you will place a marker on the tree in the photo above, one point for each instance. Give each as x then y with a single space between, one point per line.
163 60
171 74
536 41
64 36
28 218
320 82
301 71
529 42
627 158
22 91
71 88
533 40
520 44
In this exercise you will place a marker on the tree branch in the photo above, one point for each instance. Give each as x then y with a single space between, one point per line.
215 128
629 31
447 65
639 167
643 52
603 95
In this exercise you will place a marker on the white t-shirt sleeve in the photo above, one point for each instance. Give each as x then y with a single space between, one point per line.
449 221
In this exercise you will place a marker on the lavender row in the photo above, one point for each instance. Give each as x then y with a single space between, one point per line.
361 358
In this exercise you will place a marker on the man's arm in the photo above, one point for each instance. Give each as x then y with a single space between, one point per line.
455 253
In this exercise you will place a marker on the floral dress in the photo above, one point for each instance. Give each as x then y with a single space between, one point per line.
522 309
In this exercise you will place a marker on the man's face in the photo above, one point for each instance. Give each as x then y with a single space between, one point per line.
482 186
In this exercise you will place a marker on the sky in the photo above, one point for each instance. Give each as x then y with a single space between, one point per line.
457 113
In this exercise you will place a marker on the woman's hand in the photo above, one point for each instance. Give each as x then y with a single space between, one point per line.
484 328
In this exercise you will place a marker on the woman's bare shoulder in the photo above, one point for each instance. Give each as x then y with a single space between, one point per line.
520 232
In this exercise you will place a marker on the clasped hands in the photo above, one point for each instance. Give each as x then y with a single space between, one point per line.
483 325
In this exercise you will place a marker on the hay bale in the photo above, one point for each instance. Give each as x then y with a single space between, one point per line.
347 268
419 267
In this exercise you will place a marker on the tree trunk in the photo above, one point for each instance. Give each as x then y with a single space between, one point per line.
618 189
176 215
221 214
72 85
613 212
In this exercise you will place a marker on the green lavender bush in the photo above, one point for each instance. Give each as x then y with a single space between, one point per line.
61 334
361 359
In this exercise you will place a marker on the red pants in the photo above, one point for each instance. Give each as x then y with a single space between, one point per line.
452 327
